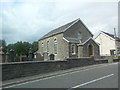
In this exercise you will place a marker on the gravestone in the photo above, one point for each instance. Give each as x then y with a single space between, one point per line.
30 56
11 56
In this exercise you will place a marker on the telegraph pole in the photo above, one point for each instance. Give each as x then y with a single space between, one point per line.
119 27
115 41
119 19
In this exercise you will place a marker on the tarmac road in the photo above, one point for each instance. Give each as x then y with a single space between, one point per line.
105 76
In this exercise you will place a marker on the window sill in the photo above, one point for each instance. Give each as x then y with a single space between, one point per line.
55 54
73 53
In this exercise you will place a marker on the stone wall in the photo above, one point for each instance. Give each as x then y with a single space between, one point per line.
95 49
23 69
62 46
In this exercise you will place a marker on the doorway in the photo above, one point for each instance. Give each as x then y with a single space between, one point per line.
90 50
52 56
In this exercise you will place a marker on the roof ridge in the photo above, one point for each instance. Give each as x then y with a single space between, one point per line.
75 21
106 32
66 24
111 35
60 29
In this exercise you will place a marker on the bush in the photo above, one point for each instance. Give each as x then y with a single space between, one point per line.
118 57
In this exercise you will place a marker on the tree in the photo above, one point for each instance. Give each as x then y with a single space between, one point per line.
10 46
34 46
3 45
26 47
20 48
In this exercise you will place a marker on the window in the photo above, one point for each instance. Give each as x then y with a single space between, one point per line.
79 35
55 46
73 49
42 47
48 45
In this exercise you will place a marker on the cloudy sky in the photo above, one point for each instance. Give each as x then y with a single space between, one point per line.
28 21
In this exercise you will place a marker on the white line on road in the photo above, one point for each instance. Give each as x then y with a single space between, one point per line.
92 81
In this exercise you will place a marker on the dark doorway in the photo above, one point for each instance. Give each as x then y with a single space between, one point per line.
112 52
52 56
90 50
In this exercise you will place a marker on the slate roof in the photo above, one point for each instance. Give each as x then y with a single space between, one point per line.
59 29
87 41
112 36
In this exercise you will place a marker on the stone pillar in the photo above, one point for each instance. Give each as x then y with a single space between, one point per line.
80 51
45 56
7 57
3 57
39 57
35 55
110 59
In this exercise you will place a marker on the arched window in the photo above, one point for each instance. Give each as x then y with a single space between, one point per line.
73 49
79 35
55 46
42 47
48 45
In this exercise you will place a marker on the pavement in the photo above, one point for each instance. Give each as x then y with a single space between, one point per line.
95 76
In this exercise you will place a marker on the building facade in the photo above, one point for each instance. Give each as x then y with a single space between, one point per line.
108 43
72 40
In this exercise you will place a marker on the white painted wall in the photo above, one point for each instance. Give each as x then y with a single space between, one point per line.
106 44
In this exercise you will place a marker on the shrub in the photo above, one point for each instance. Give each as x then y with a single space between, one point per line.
118 57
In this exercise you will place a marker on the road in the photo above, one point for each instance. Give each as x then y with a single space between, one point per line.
105 76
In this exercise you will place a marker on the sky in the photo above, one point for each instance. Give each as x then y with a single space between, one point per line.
29 21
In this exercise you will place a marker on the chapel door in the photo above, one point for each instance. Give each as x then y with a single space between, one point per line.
90 50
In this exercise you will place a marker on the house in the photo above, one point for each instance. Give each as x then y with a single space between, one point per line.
108 43
72 40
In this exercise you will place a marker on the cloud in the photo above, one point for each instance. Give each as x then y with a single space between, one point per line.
28 21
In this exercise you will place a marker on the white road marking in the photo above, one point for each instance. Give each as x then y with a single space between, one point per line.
92 81
57 76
